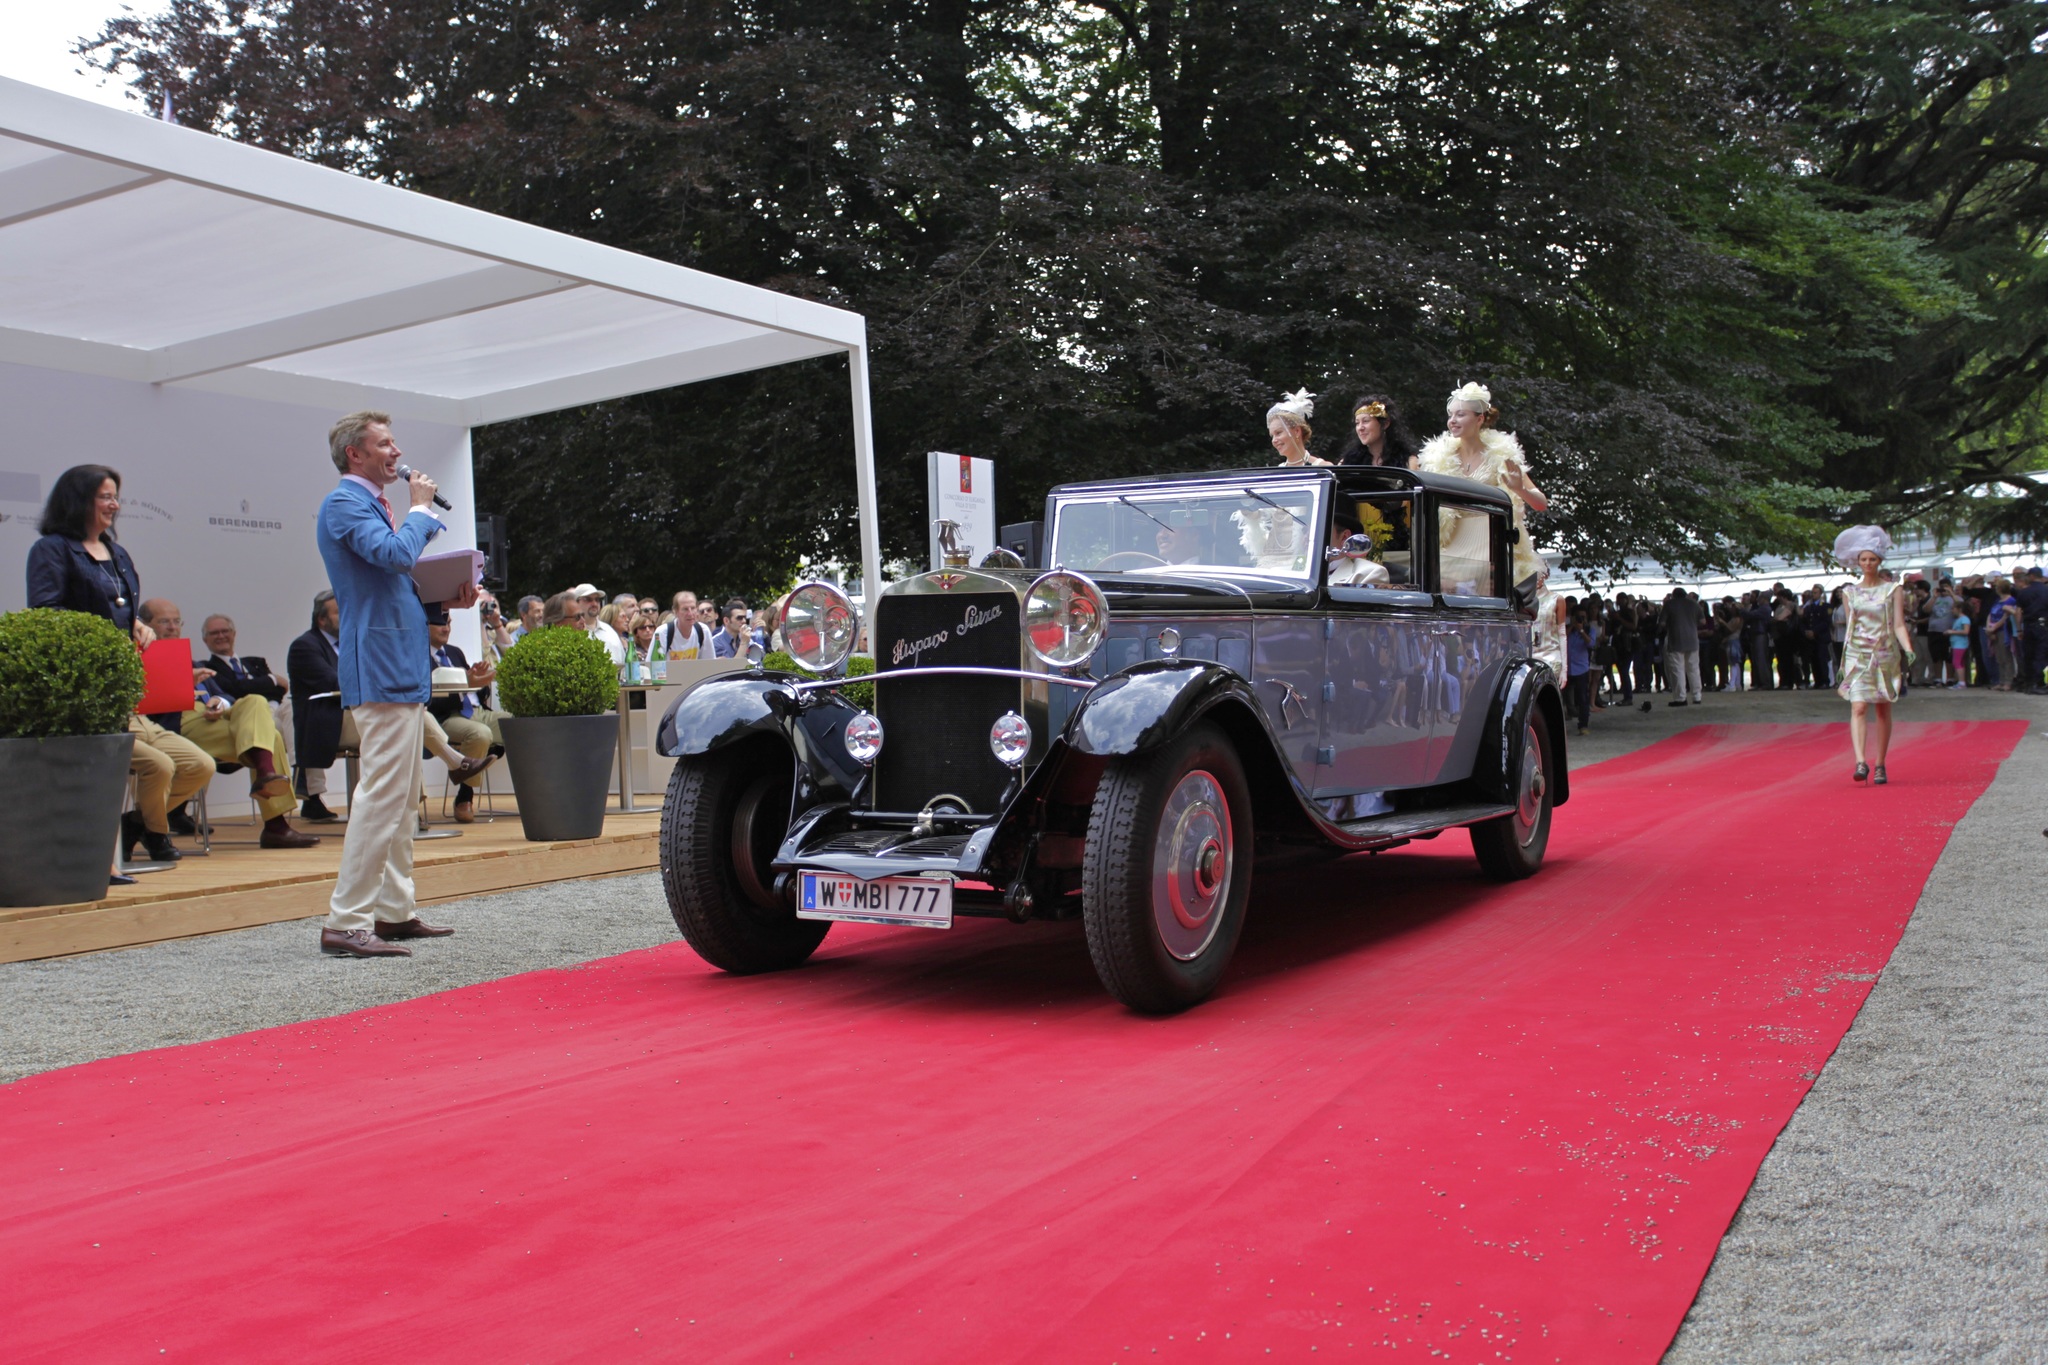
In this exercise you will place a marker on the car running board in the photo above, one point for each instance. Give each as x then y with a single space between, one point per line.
1404 825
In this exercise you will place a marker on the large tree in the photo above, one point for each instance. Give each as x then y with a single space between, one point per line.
1099 236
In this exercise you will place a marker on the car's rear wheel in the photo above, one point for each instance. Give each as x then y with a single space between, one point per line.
726 814
1168 871
1512 846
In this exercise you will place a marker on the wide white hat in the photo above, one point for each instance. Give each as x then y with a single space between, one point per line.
1856 540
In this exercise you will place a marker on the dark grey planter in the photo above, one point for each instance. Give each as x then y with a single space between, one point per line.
60 808
561 770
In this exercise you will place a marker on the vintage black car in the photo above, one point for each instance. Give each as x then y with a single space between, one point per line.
1213 665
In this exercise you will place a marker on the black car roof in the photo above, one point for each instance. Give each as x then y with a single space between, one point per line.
1387 476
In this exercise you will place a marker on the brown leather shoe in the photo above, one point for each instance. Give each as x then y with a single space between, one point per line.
278 834
465 812
359 943
470 767
412 928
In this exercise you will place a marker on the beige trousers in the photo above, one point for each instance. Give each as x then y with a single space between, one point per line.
169 771
228 735
375 881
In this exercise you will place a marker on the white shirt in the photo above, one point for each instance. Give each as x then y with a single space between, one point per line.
609 638
692 642
357 478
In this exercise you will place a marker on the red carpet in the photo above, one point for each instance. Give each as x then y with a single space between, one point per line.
1471 1123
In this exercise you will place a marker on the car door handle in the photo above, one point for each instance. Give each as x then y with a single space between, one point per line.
1288 694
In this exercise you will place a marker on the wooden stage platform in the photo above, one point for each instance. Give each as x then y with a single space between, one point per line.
242 885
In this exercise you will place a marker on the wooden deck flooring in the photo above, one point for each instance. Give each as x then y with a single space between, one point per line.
242 885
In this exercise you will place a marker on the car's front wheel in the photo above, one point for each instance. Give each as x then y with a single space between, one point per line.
1168 871
1512 846
726 814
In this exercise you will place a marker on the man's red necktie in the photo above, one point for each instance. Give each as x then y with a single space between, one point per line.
389 515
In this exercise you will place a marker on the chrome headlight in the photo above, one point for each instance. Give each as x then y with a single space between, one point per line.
819 626
863 738
1009 739
1065 618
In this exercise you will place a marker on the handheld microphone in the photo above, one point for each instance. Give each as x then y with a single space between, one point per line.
406 471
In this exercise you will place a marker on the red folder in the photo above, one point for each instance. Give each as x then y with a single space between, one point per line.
166 677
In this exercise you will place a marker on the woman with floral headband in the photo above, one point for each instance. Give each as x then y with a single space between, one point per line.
1379 436
1471 449
1875 621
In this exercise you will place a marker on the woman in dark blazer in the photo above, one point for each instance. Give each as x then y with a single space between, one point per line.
78 565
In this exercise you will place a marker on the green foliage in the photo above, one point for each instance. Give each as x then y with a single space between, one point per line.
1735 273
65 673
857 666
559 671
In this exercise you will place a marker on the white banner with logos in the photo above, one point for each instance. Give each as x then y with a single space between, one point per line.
218 497
963 490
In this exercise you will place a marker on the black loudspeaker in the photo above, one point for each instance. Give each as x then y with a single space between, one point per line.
490 540
1027 538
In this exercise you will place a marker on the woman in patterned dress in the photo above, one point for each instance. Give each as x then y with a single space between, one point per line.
1876 650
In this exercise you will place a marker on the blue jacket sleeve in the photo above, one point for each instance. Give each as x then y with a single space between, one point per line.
363 529
46 572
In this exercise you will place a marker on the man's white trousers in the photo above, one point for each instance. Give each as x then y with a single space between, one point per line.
376 851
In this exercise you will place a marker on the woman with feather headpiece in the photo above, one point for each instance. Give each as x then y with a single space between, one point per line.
1471 449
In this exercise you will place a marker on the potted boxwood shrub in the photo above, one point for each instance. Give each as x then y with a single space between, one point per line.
68 682
557 684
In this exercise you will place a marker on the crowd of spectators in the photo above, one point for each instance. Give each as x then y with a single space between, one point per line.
1988 631
286 727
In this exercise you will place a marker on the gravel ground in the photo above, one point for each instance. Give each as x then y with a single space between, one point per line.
1902 1216
73 1009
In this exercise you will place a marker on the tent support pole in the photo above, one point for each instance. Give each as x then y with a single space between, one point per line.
864 480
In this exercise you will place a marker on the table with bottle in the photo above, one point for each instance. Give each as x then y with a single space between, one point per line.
647 678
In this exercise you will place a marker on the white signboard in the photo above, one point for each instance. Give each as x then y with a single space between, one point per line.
963 490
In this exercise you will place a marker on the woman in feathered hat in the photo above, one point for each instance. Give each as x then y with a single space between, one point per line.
1874 620
1471 449
1287 426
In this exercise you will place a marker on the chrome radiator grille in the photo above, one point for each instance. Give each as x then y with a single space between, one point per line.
936 729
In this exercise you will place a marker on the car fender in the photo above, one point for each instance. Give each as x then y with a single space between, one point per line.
1149 703
1527 686
724 710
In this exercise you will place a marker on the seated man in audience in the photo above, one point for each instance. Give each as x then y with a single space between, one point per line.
734 639
169 771
471 727
684 637
236 730
529 618
590 606
312 663
238 676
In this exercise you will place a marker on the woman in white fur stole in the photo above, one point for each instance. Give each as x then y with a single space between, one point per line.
1471 449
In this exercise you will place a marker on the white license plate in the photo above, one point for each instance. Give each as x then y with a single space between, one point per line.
922 902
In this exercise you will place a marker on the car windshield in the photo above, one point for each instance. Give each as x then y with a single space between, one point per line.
1266 527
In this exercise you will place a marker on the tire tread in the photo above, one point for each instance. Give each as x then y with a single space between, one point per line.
703 896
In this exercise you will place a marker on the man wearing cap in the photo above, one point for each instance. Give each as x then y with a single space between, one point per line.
589 603
2033 604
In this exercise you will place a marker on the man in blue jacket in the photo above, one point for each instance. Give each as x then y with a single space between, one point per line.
385 680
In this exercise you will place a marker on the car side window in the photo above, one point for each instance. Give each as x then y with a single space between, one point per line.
1471 544
1372 539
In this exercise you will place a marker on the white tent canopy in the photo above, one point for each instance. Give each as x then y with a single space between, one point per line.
141 252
